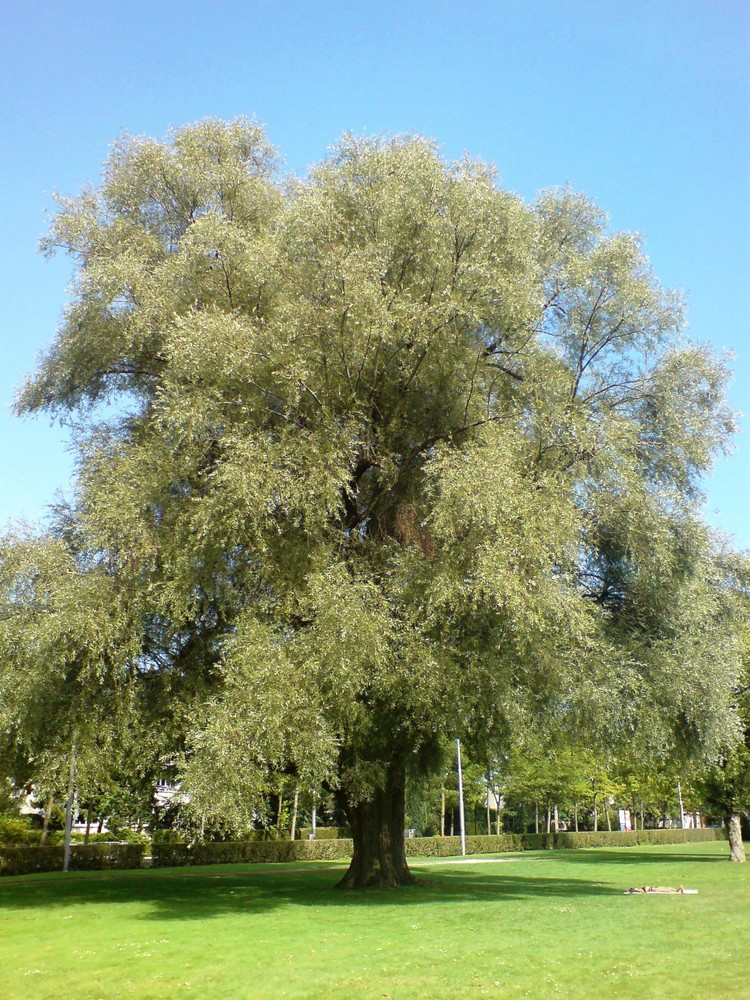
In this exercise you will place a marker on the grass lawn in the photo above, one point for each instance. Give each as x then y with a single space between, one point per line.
528 925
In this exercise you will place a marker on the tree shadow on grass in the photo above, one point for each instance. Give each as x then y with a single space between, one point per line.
185 895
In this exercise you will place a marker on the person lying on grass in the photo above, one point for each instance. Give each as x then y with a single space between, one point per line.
659 888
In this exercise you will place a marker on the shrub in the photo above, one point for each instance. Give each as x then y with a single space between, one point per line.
632 838
447 847
94 838
258 852
17 830
90 857
168 836
326 833
248 852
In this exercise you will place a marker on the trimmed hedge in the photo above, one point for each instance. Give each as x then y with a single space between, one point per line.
633 838
448 847
248 852
94 857
259 852
89 857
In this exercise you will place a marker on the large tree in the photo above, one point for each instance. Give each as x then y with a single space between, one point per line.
385 453
726 785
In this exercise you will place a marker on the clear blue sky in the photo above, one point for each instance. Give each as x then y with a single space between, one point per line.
645 106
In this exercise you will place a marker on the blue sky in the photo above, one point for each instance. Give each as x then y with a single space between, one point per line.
644 106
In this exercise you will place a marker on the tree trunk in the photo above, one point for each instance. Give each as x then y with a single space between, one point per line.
47 817
377 827
295 805
734 833
536 817
596 816
575 815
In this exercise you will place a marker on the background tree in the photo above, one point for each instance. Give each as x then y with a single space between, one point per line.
727 783
391 454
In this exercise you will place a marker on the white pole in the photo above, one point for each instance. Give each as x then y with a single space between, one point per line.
682 810
314 817
461 797
69 807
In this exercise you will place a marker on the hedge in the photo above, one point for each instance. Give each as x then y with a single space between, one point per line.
248 852
92 857
632 838
88 857
258 852
448 847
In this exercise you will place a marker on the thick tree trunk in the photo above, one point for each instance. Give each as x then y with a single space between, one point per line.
734 833
378 833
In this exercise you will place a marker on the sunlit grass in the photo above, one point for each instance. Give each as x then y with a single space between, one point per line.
531 925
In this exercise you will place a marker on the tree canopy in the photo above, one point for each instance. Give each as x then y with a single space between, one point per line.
378 458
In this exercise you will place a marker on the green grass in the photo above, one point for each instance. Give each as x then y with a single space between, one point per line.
534 925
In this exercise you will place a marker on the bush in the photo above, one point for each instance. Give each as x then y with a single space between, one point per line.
447 847
258 852
167 836
326 833
248 852
632 838
18 830
90 857
94 838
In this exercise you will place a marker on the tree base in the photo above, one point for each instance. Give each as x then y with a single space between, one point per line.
374 877
377 825
734 834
